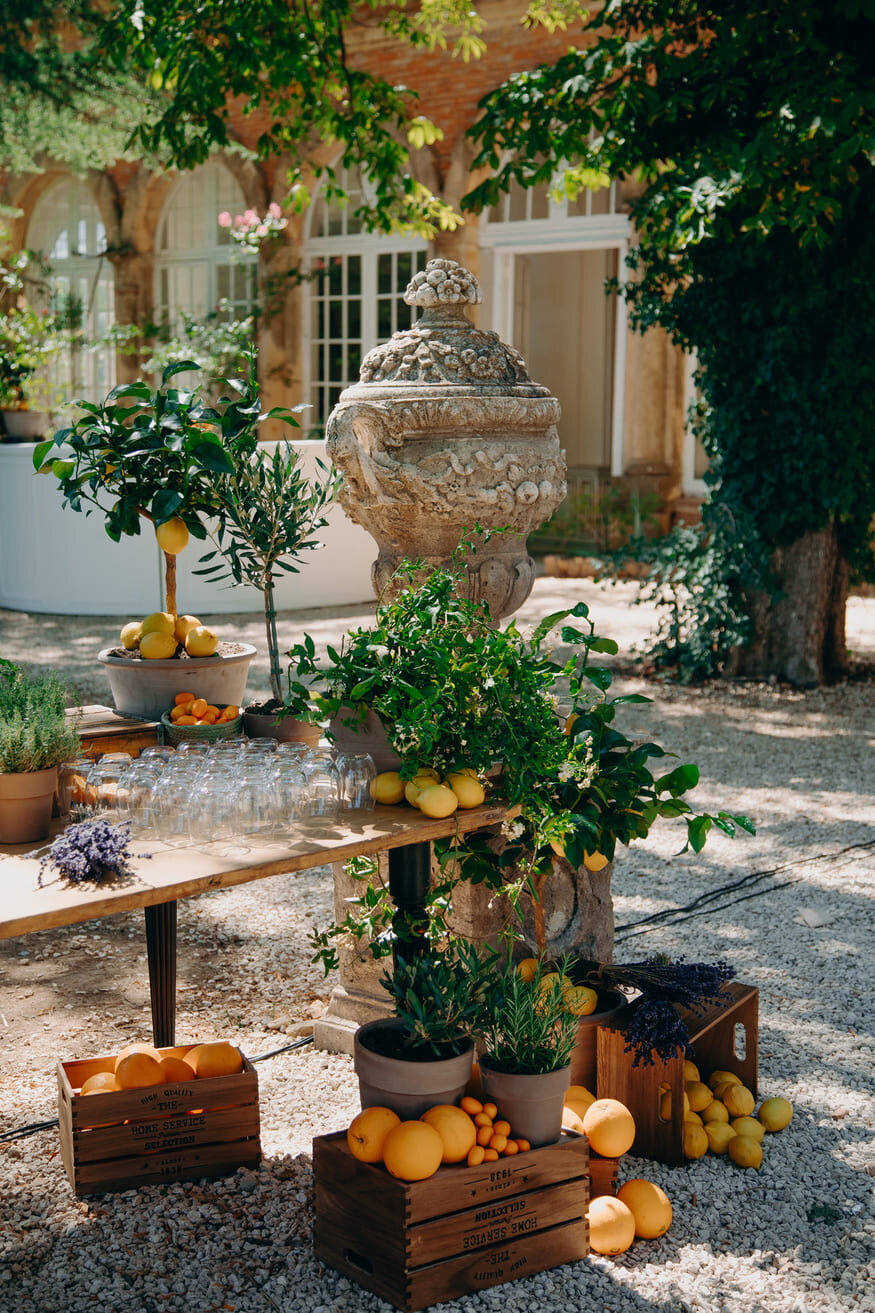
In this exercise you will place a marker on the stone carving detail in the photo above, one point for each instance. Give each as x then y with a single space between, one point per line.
446 429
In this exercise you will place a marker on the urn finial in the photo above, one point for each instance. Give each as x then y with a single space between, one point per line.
443 282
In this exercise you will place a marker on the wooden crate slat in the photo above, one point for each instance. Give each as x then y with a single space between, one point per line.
165 1135
333 1245
151 1101
386 1241
185 1165
602 1175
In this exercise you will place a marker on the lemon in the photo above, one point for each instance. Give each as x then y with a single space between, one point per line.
388 788
184 625
427 773
719 1136
469 792
696 1142
580 1000
775 1114
715 1112
698 1094
691 1071
159 622
528 968
665 1105
172 536
739 1100
594 861
549 979
156 646
130 635
437 801
412 790
722 1078
693 1117
749 1126
745 1151
201 642
578 1094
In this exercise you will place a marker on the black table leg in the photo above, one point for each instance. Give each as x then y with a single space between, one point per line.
161 949
409 879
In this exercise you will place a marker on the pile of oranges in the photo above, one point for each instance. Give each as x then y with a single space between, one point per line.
140 1065
470 1133
189 709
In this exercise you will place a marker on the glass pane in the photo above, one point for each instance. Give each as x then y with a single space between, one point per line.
223 282
384 319
354 319
353 363
404 272
333 398
353 225
335 319
384 274
540 203
354 275
335 275
517 206
335 362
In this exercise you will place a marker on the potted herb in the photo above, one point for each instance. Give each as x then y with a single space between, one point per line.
528 1033
166 456
423 1055
269 514
35 738
27 343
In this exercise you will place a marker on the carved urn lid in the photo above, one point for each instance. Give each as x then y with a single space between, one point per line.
443 353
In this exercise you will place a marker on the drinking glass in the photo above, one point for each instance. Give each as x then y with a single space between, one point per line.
71 784
290 784
101 784
357 773
322 785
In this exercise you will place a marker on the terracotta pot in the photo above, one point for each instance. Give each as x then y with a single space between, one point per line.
370 738
147 688
531 1103
406 1086
584 1070
287 730
26 805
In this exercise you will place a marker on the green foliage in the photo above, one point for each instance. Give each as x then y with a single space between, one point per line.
600 519
218 345
440 997
752 133
528 1029
269 514
34 733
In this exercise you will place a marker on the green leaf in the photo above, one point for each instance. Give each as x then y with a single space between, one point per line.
179 367
213 457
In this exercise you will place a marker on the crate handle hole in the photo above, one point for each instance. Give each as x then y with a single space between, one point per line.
739 1041
358 1260
664 1089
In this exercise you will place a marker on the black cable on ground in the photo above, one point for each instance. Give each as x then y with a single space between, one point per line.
33 1128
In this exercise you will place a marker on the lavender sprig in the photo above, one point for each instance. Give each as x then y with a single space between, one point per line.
92 850
654 1025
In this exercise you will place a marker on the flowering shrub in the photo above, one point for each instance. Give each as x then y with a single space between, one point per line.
249 230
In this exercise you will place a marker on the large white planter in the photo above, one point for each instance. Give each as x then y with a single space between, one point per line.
58 561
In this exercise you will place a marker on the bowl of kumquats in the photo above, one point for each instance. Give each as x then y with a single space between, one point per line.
192 717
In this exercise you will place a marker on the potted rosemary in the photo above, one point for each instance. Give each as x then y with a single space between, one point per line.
528 1033
422 1056
35 738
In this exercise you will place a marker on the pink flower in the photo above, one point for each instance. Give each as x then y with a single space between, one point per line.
262 230
224 219
250 216
238 221
274 210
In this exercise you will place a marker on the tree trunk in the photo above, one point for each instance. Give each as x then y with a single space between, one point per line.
799 635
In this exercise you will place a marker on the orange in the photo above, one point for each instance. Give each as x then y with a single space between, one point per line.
476 1155
184 697
490 1155
139 1047
413 1151
501 1128
230 712
456 1129
484 1135
649 1205
174 1070
180 710
523 1146
611 1225
499 1143
483 1119
213 711
186 720
510 1149
367 1133
134 1071
471 1105
102 1083
610 1128
217 1059
491 1111
198 707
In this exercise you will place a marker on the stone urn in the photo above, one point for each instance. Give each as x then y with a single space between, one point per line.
445 430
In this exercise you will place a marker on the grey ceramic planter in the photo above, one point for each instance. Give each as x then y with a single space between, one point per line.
584 1069
407 1087
147 688
531 1103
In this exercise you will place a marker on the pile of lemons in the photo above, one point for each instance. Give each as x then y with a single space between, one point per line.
433 795
580 1000
719 1117
159 636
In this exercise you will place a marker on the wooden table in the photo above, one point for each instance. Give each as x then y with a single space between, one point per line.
103 730
171 873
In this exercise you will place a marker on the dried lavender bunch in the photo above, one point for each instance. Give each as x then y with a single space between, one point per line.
654 1025
92 850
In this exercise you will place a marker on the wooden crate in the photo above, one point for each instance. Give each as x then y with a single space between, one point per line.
116 1141
724 1038
103 730
463 1229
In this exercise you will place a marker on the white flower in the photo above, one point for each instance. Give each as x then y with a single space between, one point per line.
512 829
489 683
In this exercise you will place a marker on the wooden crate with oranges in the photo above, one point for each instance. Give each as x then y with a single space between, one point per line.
723 1036
416 1243
177 1126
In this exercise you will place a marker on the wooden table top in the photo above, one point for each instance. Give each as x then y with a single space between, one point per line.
182 872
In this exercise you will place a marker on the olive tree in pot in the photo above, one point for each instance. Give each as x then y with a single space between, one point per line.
423 1055
35 738
529 1033
269 514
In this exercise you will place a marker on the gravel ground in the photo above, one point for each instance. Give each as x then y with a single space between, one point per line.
796 1237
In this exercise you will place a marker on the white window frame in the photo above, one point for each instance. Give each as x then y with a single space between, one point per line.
368 247
221 252
507 238
690 484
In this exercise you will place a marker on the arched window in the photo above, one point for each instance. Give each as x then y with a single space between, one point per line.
544 265
199 270
355 297
67 230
